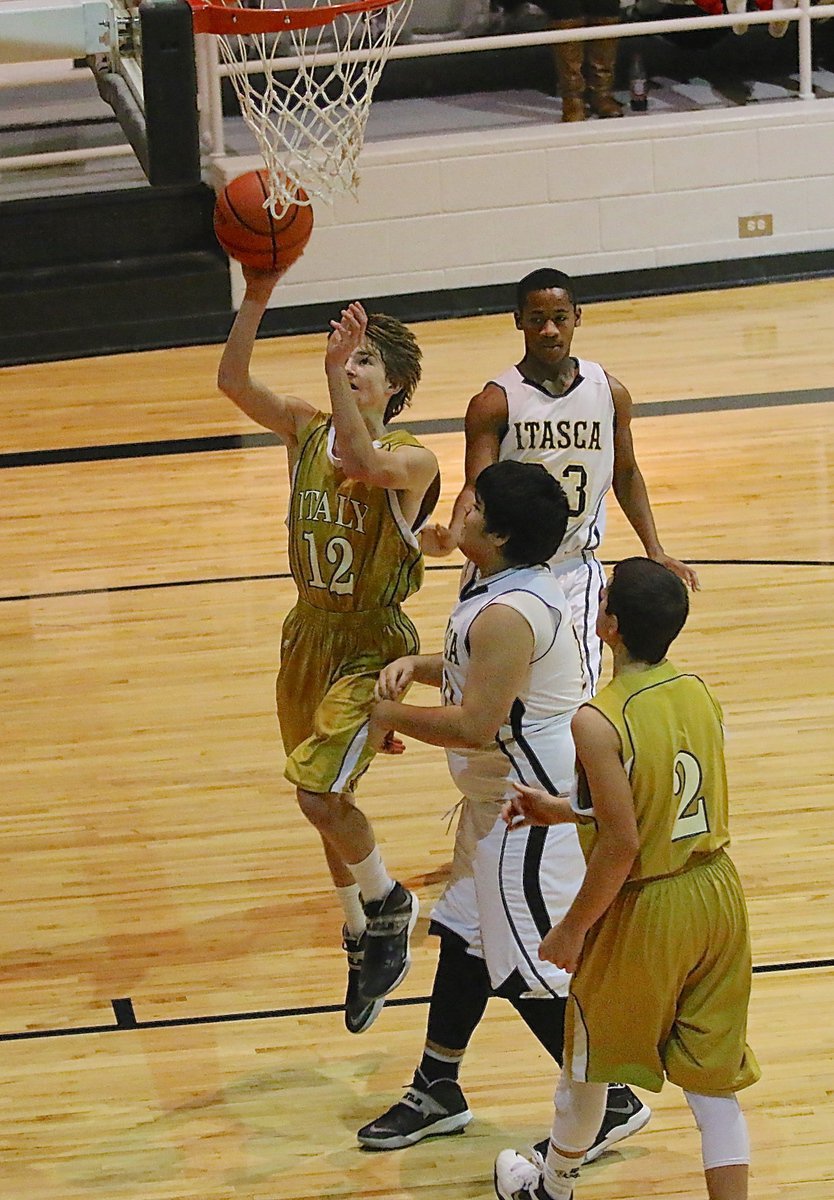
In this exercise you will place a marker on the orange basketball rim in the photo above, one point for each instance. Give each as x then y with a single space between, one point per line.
222 18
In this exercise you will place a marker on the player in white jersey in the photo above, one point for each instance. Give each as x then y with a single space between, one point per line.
574 418
510 681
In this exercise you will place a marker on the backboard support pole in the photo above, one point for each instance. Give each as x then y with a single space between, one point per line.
169 77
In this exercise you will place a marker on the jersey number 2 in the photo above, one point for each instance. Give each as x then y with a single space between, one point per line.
339 553
692 807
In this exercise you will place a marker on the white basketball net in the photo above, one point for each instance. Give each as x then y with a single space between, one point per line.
309 117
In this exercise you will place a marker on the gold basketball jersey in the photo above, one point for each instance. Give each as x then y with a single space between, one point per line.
670 728
350 548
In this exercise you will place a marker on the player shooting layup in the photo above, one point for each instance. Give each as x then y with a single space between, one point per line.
360 493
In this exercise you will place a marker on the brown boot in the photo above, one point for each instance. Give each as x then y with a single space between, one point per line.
602 62
569 57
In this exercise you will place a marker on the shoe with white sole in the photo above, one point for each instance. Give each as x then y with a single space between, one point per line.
426 1110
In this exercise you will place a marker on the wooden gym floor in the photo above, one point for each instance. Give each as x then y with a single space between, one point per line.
170 977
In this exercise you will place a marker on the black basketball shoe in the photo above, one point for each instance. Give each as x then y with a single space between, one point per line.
426 1110
360 1013
389 924
625 1114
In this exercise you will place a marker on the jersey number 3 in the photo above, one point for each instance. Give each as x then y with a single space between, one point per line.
692 807
339 553
576 475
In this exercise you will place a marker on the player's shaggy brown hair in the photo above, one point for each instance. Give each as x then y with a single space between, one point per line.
401 356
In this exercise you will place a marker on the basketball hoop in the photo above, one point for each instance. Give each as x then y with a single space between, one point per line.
309 124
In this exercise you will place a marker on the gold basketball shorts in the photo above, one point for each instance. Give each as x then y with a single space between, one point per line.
663 986
324 692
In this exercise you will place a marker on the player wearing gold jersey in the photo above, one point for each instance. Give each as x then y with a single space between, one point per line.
661 914
359 495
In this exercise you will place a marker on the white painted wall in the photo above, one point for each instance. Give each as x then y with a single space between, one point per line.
480 208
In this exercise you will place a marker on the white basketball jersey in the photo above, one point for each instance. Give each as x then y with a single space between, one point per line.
571 435
534 745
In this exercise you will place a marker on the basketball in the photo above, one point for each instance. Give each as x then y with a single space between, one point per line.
249 233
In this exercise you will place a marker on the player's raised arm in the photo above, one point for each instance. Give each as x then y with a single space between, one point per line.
350 365
485 426
630 488
283 414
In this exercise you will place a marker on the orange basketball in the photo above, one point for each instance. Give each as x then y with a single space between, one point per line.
248 231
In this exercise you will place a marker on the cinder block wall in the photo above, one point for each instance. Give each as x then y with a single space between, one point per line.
474 209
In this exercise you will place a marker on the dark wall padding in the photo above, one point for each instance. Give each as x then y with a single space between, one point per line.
110 271
140 269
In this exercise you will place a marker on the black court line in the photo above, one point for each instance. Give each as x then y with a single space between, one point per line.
126 1017
454 566
81 454
245 441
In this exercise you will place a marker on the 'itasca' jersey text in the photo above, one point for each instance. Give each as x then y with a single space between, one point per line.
573 437
530 744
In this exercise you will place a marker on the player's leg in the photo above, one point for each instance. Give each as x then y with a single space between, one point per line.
706 1051
725 1145
325 766
434 1103
625 1113
348 840
360 1013
310 656
578 1109
527 880
390 909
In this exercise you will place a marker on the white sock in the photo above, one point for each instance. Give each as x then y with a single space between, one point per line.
578 1113
374 881
560 1174
351 903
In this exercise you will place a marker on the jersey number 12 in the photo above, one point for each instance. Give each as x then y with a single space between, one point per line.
339 553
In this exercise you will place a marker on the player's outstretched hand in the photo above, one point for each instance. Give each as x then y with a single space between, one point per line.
395 679
437 541
346 335
681 569
533 806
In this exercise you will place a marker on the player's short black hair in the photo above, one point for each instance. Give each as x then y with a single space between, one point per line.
542 280
525 504
651 606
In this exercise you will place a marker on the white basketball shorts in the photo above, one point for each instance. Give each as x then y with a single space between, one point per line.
507 888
